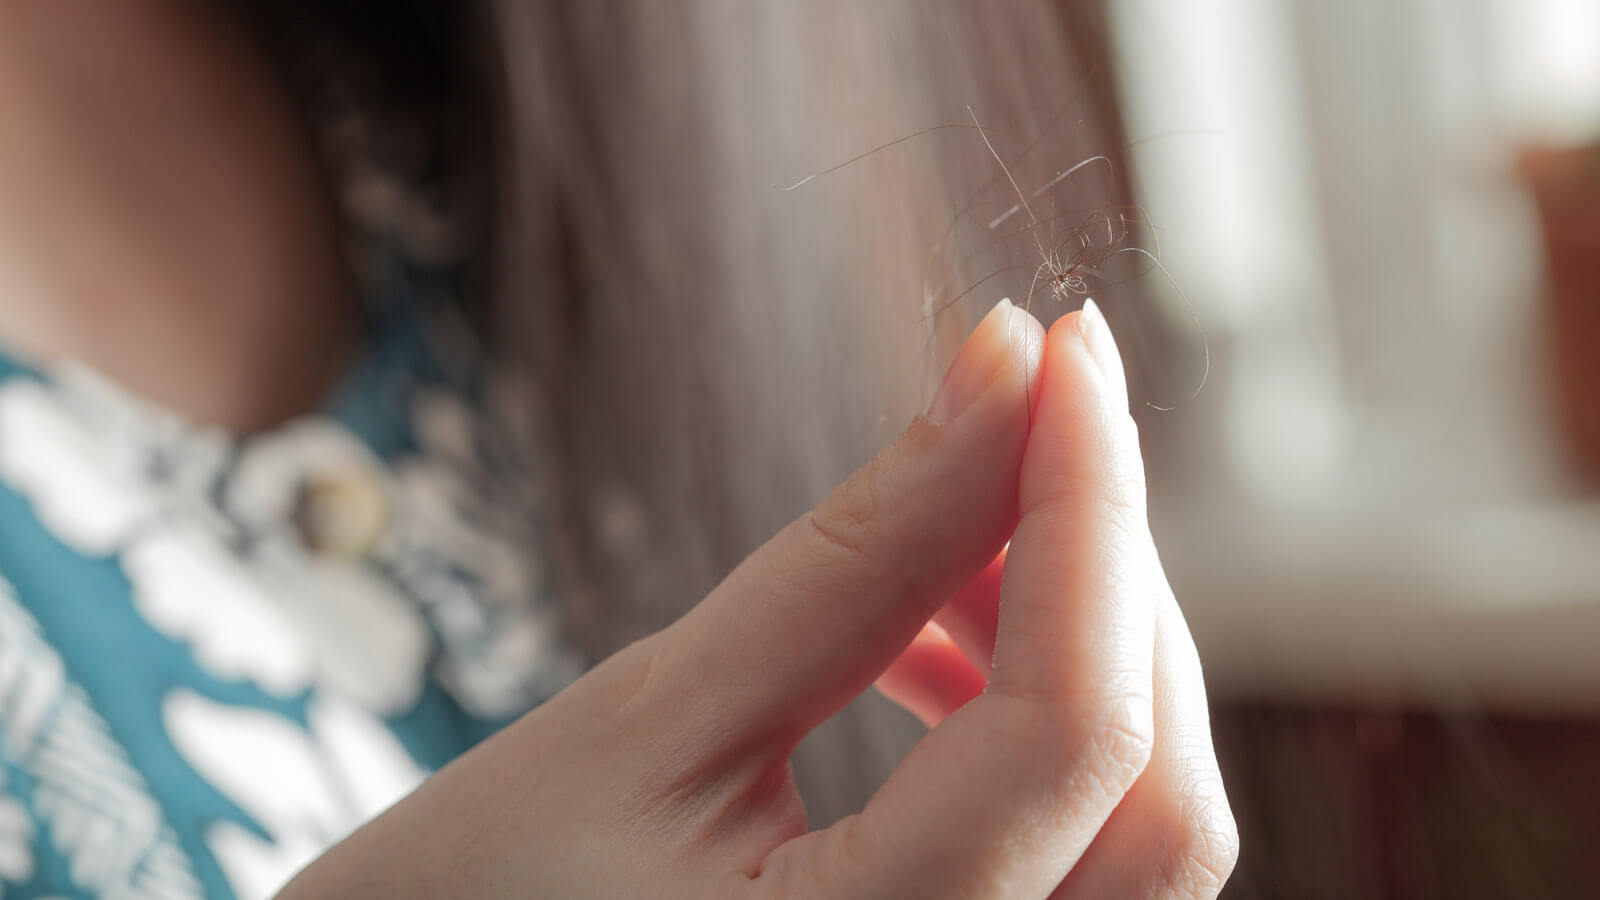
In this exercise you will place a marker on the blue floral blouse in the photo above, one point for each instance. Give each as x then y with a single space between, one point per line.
218 656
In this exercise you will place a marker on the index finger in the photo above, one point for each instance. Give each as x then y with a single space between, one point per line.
1005 795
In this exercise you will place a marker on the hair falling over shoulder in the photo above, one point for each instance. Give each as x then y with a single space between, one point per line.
715 353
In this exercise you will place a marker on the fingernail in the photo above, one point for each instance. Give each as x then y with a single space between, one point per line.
980 359
1102 346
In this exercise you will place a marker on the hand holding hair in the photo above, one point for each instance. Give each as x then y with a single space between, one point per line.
993 575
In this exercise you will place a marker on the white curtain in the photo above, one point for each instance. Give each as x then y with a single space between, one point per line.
1336 186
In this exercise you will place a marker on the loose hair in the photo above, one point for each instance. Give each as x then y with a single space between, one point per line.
714 353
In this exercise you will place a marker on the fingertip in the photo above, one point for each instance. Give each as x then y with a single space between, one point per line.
983 357
1030 335
1066 339
1087 336
1078 438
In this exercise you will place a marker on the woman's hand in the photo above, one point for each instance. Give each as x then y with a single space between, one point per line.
1070 753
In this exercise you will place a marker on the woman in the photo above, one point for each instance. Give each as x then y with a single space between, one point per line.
265 565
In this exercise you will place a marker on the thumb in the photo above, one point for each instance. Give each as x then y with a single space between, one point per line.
810 619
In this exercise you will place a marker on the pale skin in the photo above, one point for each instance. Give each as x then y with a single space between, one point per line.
992 570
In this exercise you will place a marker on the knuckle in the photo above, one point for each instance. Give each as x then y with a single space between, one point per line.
850 519
869 519
828 863
630 680
1118 743
1116 498
840 531
1202 846
1100 745
1122 494
852 856
1125 493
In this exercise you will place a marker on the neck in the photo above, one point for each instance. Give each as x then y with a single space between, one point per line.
164 221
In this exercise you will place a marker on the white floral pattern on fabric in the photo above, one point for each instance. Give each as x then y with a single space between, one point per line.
267 489
462 544
371 646
97 463
16 840
52 458
307 791
105 824
189 588
236 584
358 612
371 642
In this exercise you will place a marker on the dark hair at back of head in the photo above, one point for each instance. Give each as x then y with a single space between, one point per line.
402 90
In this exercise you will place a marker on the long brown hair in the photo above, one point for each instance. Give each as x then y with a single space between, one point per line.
716 353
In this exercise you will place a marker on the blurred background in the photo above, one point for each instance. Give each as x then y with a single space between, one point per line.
1383 210
1380 513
